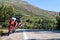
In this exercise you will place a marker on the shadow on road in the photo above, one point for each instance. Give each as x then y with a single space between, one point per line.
37 30
4 34
43 39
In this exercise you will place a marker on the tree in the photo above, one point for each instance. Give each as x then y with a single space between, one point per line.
11 11
47 24
58 21
3 11
6 12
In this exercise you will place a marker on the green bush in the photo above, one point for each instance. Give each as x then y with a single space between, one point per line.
1 32
4 26
58 22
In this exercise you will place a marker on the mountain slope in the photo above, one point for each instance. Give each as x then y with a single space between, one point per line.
32 17
25 6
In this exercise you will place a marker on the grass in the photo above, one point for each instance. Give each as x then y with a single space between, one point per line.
4 30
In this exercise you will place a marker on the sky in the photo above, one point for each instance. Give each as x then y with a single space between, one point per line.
51 5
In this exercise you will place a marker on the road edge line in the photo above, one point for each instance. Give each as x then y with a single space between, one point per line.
25 35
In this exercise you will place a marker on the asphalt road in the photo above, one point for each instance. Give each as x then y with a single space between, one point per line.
26 34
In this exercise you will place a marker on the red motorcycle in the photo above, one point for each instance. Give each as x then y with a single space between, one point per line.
11 28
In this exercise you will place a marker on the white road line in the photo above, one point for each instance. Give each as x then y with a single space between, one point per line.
25 35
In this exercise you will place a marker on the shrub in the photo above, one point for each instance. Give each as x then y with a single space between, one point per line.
4 26
1 32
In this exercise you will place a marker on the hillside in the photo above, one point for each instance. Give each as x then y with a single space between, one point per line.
28 7
32 16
